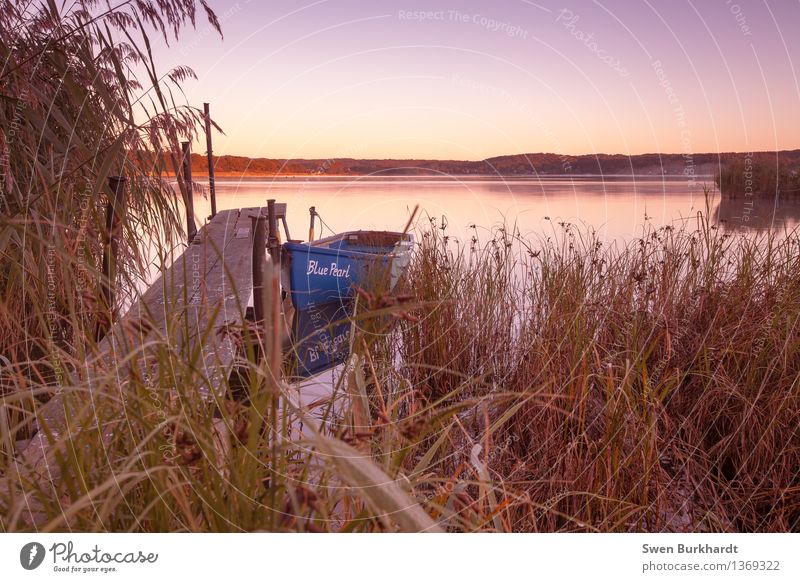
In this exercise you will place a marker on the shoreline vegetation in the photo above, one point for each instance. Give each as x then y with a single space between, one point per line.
690 166
759 175
246 176
513 384
640 387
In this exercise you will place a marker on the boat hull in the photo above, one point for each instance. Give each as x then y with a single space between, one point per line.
332 269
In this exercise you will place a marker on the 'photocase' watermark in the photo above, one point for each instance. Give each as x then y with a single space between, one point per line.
67 558
569 21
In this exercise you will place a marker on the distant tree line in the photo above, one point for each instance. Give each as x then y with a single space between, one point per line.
534 164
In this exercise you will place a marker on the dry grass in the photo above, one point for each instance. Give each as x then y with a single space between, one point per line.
548 385
657 382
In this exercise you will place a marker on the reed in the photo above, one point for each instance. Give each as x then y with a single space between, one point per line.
513 384
143 451
760 176
73 113
549 385
656 382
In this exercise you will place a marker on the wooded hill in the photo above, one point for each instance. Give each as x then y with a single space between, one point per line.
706 164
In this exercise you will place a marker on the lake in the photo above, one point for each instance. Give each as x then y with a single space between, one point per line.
616 207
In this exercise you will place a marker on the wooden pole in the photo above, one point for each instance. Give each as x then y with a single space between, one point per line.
274 245
211 185
286 228
259 226
313 212
114 211
191 228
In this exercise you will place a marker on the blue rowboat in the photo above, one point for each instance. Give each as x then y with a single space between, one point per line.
330 269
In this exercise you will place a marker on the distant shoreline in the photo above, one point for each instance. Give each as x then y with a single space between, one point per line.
693 167
239 176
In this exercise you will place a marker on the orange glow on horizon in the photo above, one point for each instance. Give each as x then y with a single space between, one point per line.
469 81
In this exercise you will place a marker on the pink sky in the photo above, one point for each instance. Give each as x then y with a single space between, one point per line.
470 80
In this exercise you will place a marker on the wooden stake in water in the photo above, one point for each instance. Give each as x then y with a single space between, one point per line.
211 185
191 228
273 242
259 225
114 212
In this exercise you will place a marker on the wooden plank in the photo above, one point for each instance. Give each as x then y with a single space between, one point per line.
223 303
162 306
205 289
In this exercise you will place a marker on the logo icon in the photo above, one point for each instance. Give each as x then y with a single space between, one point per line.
31 555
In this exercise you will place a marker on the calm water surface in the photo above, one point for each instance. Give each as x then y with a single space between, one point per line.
616 208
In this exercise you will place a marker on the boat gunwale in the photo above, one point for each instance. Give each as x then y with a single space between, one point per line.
319 245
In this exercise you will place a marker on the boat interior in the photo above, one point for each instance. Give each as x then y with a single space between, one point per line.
364 241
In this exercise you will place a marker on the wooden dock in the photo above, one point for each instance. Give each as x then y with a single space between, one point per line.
193 318
203 293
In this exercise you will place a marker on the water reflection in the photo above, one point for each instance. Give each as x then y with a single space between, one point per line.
616 208
757 214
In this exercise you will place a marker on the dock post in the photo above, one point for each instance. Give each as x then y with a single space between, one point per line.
266 300
191 228
274 246
313 212
259 224
211 185
114 210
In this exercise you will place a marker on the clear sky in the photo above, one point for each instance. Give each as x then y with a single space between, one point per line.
470 80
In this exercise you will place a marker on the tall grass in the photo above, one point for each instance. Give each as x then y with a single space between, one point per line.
73 112
758 175
557 384
657 381
141 450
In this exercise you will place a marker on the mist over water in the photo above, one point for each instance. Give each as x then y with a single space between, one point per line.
616 208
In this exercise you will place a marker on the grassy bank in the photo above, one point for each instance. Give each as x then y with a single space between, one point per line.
653 386
554 384
529 385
